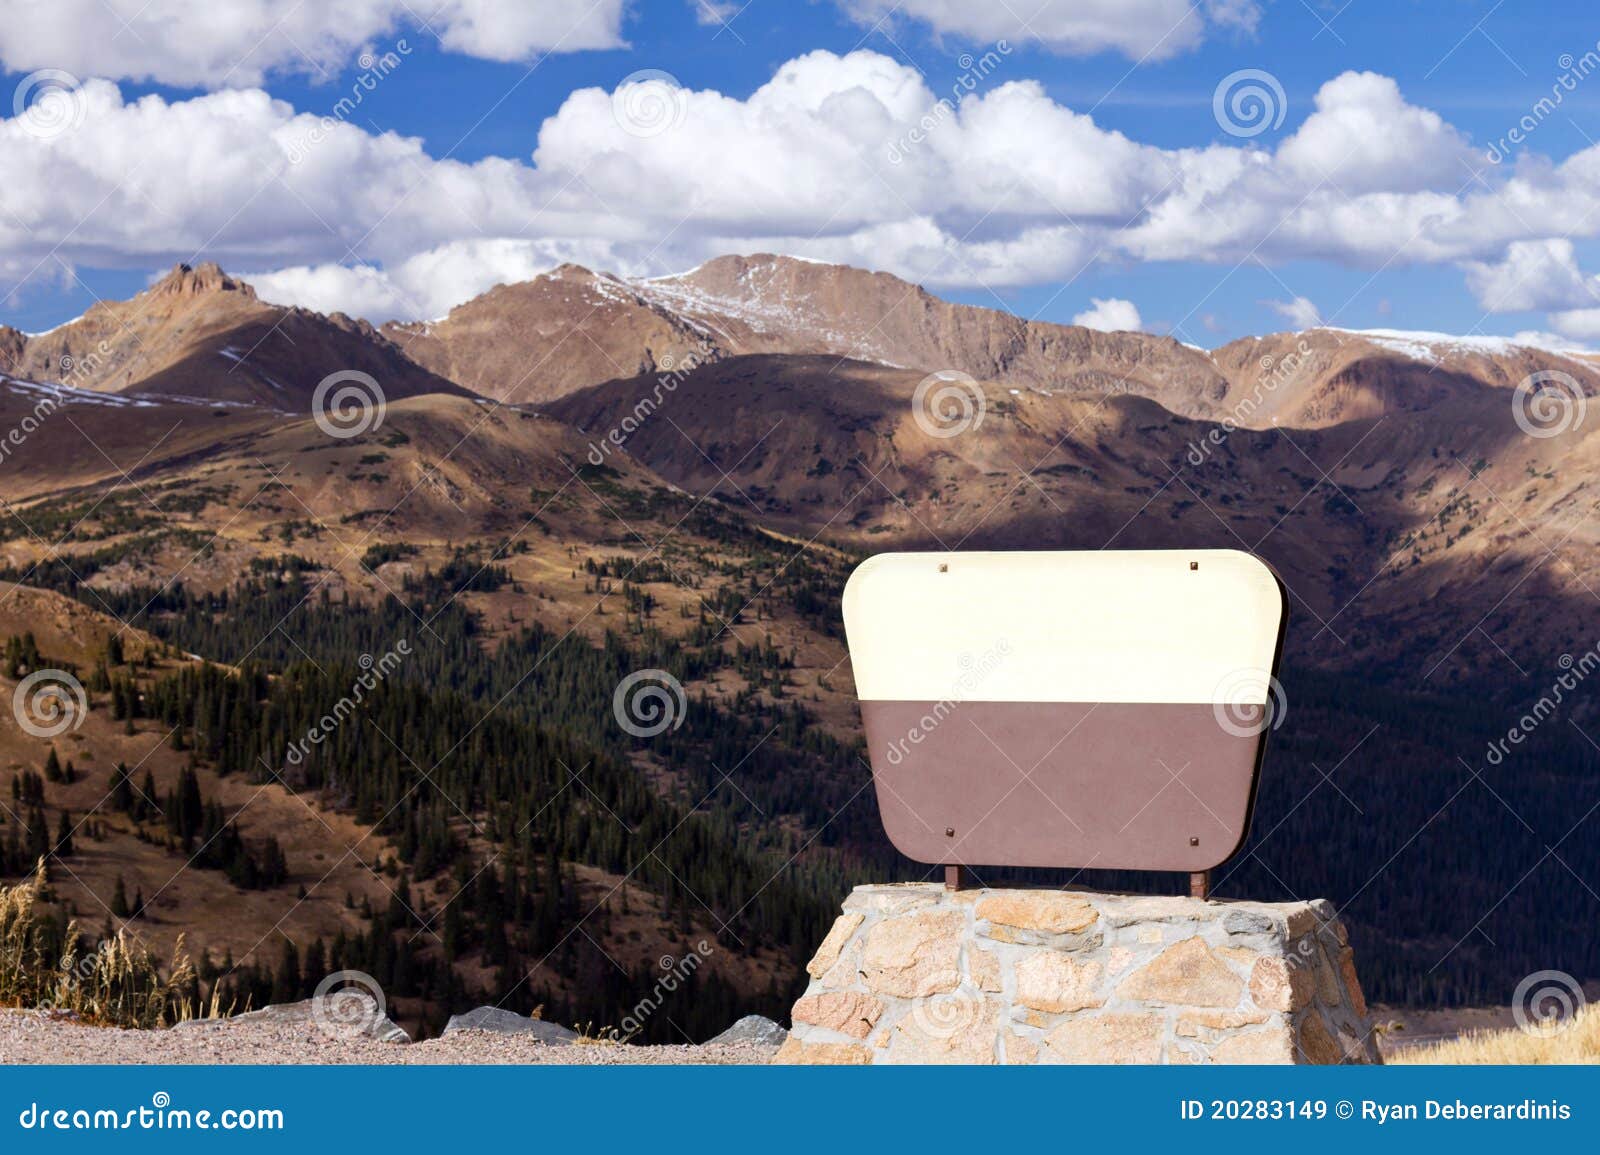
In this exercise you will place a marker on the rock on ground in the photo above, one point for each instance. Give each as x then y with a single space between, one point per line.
356 1016
498 1021
752 1029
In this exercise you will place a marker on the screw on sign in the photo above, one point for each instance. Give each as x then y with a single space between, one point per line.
1104 709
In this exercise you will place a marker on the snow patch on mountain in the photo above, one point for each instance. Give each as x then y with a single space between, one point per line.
1423 345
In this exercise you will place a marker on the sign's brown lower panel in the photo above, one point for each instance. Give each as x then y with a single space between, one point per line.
1109 785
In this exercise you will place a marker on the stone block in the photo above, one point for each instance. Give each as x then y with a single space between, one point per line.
798 1053
828 953
957 1028
1051 911
848 1012
915 955
1352 985
1247 922
1255 1048
984 967
1316 1043
1187 973
895 898
1280 984
1107 1038
1204 1024
1049 980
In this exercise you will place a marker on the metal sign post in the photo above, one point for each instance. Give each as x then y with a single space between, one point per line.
1100 709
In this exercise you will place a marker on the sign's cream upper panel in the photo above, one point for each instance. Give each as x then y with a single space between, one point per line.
1093 626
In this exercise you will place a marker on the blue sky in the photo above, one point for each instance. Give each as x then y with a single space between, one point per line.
1479 66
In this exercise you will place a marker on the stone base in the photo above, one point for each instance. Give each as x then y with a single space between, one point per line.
920 974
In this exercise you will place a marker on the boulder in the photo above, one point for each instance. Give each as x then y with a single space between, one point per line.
504 1022
355 1016
753 1029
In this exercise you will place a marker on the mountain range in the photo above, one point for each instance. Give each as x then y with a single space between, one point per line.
1383 472
682 469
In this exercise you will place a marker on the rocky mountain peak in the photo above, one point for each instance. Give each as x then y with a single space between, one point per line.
194 280
568 271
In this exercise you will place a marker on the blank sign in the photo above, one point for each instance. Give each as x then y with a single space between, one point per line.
1103 709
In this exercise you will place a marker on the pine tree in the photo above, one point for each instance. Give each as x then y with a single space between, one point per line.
286 982
63 846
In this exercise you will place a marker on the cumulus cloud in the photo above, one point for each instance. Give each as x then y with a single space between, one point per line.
1110 315
846 158
1533 275
1581 324
1140 29
201 43
1299 311
1555 342
428 285
242 178
1364 137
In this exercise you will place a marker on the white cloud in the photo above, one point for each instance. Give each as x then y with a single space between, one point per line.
715 13
141 183
1555 342
205 44
1582 324
1139 29
1364 137
429 284
1299 311
1110 315
360 290
846 158
1533 275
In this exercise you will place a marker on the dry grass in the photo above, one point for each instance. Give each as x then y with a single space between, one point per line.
116 983
1577 1043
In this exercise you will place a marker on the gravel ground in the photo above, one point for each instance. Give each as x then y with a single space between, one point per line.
31 1037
